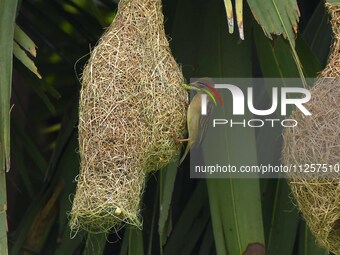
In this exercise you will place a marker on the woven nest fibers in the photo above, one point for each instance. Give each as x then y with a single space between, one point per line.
333 67
131 106
316 140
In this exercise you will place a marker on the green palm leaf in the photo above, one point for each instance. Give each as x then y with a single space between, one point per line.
7 18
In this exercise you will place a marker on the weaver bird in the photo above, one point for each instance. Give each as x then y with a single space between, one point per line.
197 122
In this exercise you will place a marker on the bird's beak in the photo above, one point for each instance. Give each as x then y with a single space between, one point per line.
191 86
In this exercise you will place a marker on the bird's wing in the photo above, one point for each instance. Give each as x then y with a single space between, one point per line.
203 123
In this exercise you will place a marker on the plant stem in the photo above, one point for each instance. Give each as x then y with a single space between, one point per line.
3 220
8 10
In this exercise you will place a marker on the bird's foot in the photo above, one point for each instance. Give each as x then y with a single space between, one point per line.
180 140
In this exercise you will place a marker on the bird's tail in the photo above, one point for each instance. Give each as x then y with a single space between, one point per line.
187 149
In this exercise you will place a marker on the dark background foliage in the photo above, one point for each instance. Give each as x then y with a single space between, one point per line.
44 130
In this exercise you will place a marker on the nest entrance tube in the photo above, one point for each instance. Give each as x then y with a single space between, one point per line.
316 140
131 104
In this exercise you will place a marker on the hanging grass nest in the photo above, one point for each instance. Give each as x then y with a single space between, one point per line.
131 105
317 140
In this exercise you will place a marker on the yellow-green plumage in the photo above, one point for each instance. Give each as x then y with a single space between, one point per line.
196 123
